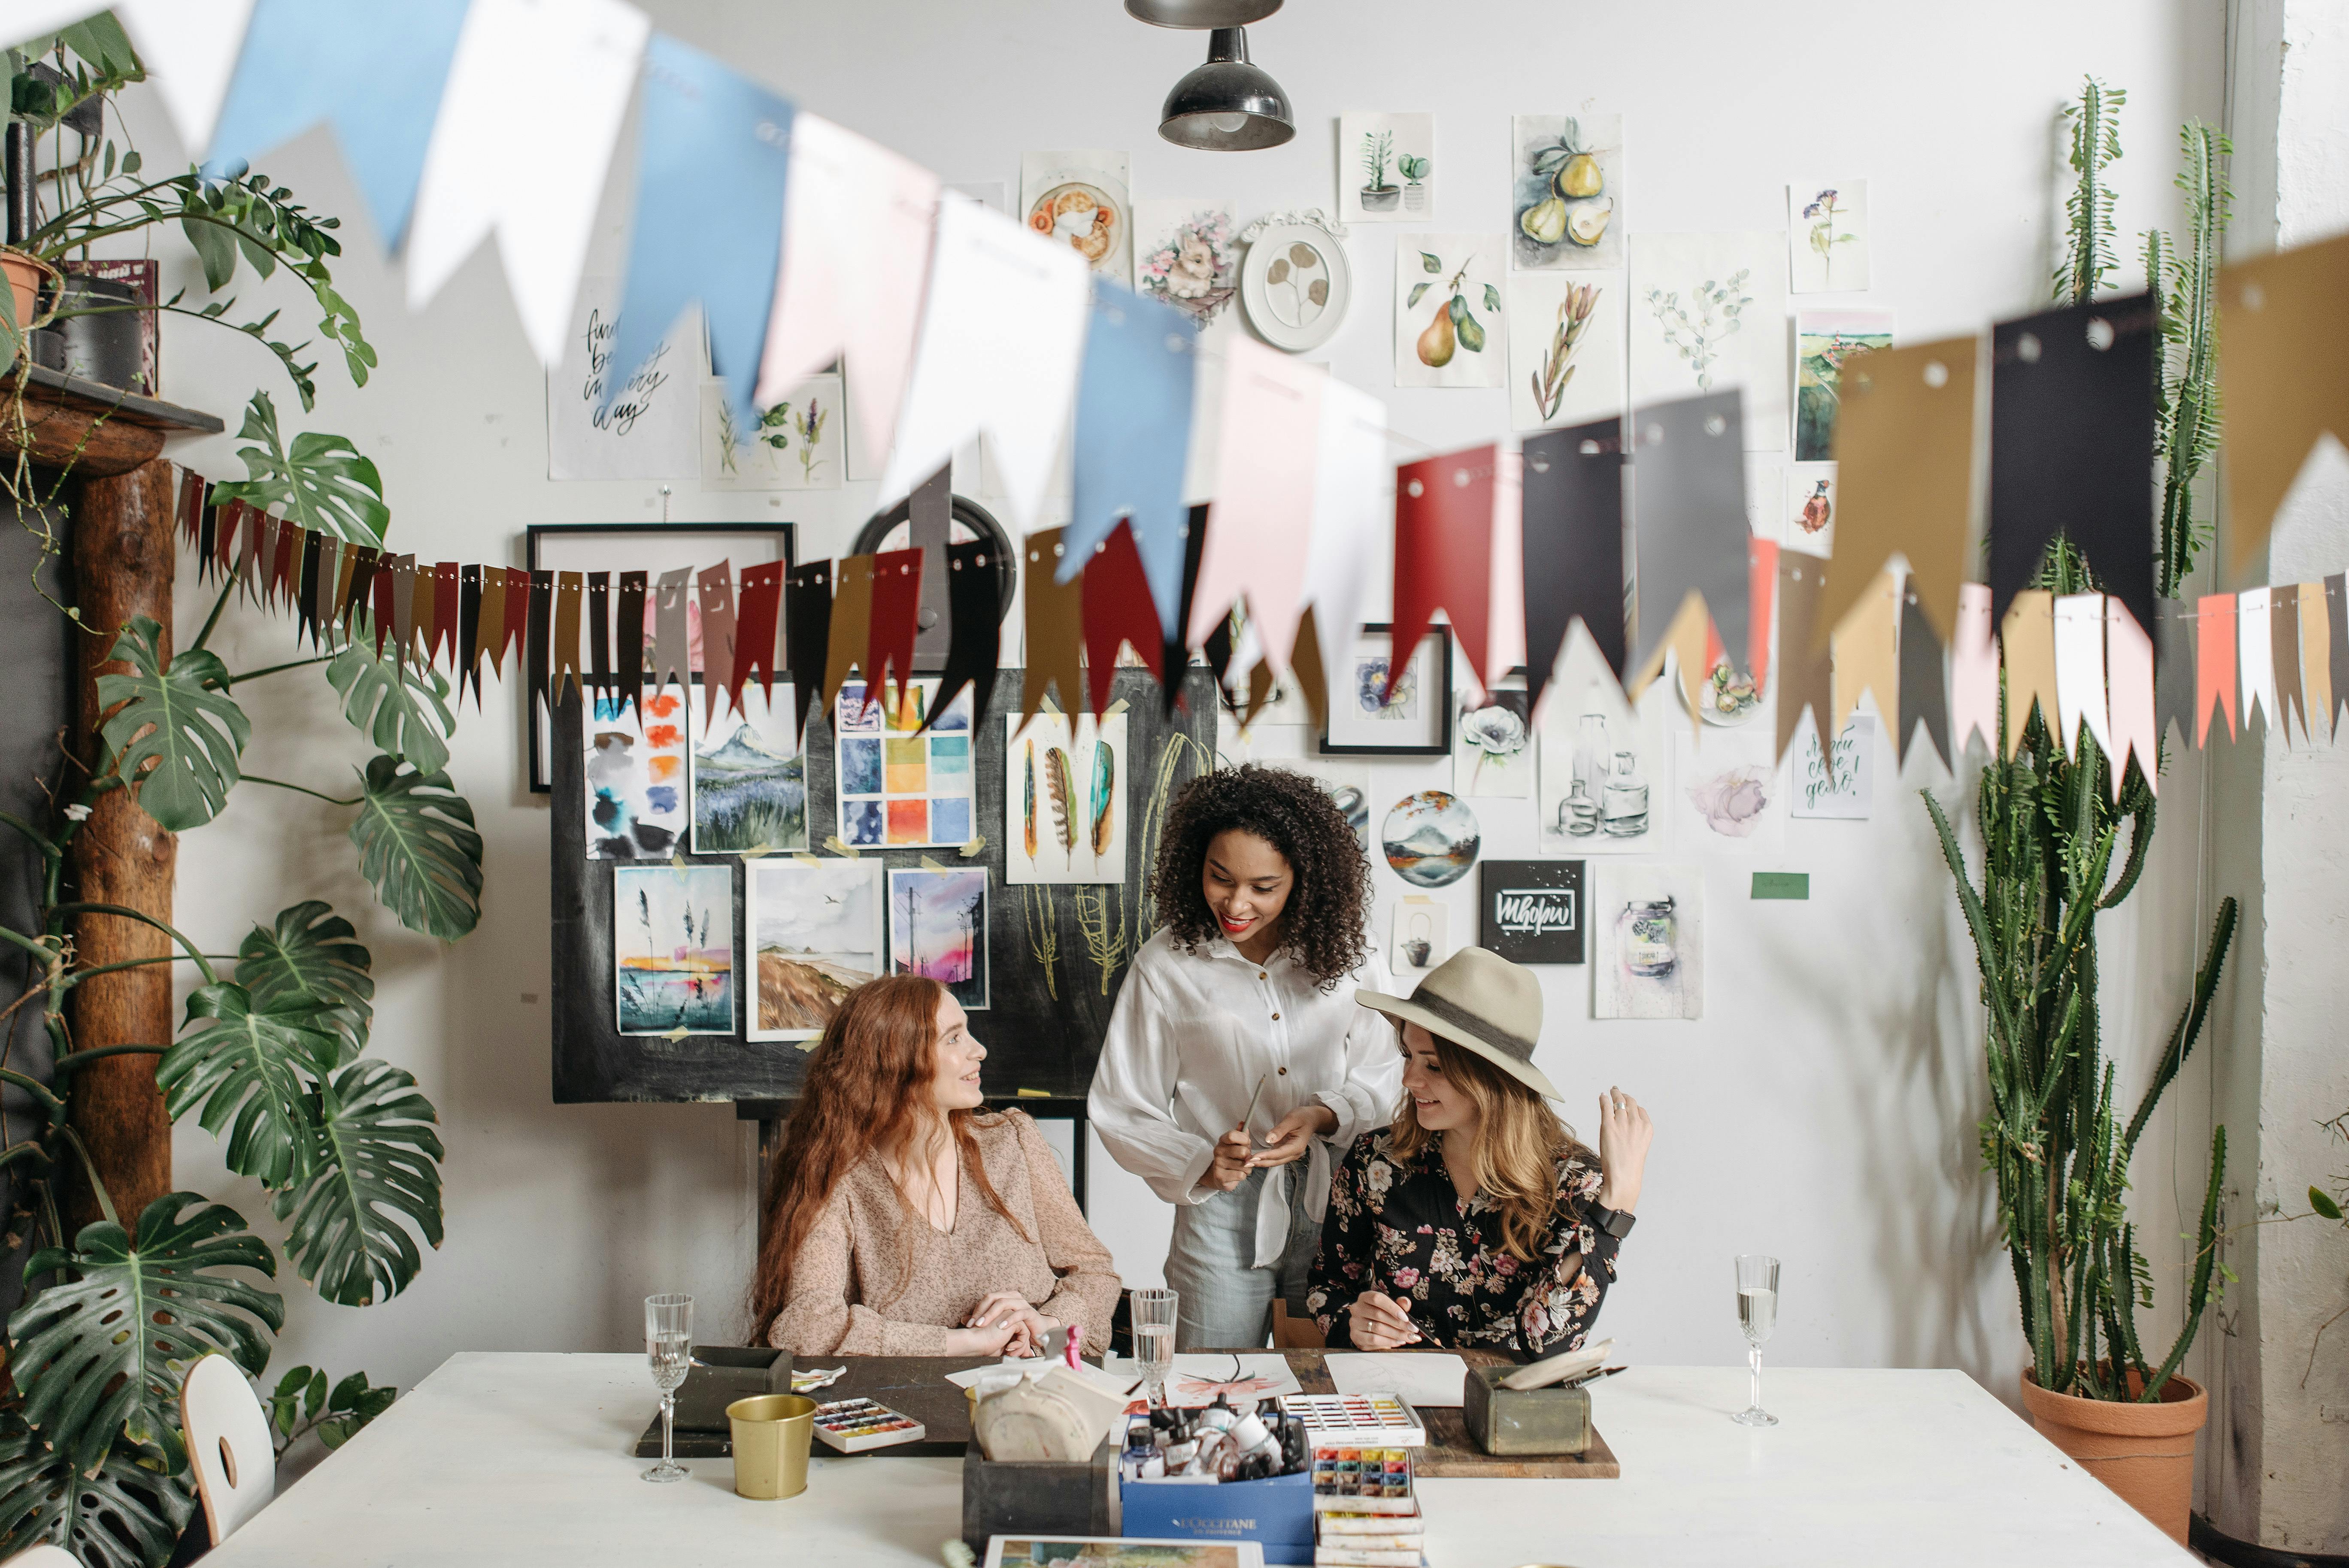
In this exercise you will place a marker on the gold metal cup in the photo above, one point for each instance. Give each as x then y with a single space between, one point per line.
772 1433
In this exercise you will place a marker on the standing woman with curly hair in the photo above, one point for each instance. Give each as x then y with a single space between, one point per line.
1237 1061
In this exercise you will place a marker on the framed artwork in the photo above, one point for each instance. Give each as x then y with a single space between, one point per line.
815 936
1824 339
1826 236
652 549
1566 348
1604 781
938 928
1430 839
1083 201
1708 312
673 949
1189 255
1492 746
898 786
1416 721
1533 911
1295 279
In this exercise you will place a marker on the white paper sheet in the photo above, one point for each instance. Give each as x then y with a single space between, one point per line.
189 48
1426 1380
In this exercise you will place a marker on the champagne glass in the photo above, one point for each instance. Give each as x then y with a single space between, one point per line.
1757 1315
668 1346
1154 1338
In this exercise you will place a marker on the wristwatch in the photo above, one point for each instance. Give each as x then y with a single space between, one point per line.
1614 1222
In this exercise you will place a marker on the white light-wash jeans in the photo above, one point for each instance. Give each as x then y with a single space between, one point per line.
1225 1303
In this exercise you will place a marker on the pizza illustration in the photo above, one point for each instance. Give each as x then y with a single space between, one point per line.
1083 216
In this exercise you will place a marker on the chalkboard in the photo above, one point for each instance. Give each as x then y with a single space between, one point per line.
1044 1027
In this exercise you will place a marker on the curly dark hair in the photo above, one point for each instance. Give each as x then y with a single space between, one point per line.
1324 924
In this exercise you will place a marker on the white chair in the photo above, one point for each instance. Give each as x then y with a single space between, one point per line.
45 1555
228 1442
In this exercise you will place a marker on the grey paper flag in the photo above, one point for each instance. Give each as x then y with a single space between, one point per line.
1924 683
2173 667
1573 503
2336 615
1688 508
672 647
2283 644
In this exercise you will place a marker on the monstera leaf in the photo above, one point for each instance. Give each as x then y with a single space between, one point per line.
320 482
126 1515
417 846
375 1164
175 732
250 1072
311 961
98 1355
401 706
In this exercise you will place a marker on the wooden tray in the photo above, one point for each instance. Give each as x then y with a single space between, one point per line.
1451 1452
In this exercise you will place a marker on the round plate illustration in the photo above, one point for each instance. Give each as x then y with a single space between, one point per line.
1430 839
1295 282
1084 216
1727 699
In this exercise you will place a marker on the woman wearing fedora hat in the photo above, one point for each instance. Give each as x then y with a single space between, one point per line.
1477 1219
1238 1061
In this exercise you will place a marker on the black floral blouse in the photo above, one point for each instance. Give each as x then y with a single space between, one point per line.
1398 1227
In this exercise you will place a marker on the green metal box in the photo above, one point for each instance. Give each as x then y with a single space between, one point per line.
1523 1420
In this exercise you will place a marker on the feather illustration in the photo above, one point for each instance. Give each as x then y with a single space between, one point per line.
1104 783
1029 792
1058 784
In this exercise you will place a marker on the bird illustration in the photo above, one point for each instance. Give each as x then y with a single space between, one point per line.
1816 509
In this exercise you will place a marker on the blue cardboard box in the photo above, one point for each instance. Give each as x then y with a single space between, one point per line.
1275 1512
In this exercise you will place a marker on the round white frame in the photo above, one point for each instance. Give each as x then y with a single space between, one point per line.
1273 237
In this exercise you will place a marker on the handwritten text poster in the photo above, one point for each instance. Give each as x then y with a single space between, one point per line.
651 430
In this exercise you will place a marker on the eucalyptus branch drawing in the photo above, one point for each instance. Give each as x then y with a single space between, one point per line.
1823 209
1558 365
1695 332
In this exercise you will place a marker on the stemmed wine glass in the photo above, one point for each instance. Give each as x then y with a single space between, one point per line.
1757 1315
668 1346
1154 1338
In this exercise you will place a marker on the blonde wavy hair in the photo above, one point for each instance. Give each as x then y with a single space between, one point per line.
1518 1142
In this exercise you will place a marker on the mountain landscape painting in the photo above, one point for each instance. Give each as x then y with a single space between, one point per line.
815 936
750 777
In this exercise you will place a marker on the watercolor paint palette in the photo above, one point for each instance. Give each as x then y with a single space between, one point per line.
853 1425
1347 1479
1386 1419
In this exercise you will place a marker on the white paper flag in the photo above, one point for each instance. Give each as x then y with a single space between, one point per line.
1260 526
533 105
22 21
1506 621
1353 513
2080 672
1003 330
856 243
190 49
2255 656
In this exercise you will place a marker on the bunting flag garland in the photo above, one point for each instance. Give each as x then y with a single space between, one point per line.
1349 515
1261 525
422 601
713 153
1573 513
1804 676
1688 497
189 49
754 630
444 611
542 617
1866 654
1055 629
2283 369
672 631
465 654
599 632
2080 699
2336 620
2027 642
628 629
305 599
2214 663
1133 433
2072 422
2255 657
1218 649
545 84
895 622
1504 631
2129 680
1904 447
855 254
714 591
2316 657
192 499
1761 602
1973 674
1002 333
1924 686
489 646
1443 556
1117 609
381 614
375 71
2173 670
248 551
974 646
807 633
850 625
563 658
2283 653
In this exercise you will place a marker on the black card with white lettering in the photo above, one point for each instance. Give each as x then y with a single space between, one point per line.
1533 911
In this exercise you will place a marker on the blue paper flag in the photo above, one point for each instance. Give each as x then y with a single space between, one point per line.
1134 435
374 71
713 148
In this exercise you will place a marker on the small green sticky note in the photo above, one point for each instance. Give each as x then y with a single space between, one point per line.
1782 884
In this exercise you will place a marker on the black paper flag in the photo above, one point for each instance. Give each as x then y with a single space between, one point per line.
1574 545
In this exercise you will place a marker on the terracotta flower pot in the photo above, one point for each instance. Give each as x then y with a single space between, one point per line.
25 276
2144 1453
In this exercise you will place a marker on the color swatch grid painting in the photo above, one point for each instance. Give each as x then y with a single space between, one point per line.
899 786
635 777
673 949
1065 800
815 936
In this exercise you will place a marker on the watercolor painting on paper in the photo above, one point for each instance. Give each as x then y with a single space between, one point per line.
1823 340
1386 168
1188 256
1083 201
1064 793
1451 326
635 777
937 929
673 949
1707 312
1567 189
1566 348
750 778
897 785
797 445
1730 794
1422 939
1826 236
815 936
1493 747
1604 778
1810 503
1430 839
1648 933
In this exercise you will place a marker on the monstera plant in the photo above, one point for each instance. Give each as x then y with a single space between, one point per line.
272 1056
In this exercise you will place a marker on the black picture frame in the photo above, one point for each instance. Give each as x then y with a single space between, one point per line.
1340 691
664 547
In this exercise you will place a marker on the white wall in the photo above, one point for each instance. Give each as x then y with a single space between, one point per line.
1824 1109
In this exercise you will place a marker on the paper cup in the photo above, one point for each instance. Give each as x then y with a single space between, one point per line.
772 1433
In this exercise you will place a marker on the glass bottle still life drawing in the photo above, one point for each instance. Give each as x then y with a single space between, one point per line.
673 949
1596 794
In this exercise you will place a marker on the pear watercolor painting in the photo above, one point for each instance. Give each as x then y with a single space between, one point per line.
1567 189
1451 324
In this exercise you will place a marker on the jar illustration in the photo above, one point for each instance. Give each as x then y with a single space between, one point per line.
1647 934
1417 947
1623 803
1577 814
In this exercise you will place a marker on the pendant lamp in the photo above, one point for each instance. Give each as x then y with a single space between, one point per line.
1200 13
1227 104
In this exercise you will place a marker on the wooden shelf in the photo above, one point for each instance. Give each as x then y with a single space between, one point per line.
100 430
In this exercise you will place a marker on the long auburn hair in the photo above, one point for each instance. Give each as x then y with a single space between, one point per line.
1519 1142
867 1090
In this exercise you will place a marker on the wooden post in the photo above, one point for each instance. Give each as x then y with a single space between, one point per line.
122 567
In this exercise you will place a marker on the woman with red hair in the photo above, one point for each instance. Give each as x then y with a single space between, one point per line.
901 1221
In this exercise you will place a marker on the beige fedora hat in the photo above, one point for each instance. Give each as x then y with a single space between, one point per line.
1480 1001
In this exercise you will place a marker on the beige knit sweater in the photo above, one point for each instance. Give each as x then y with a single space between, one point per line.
876 1278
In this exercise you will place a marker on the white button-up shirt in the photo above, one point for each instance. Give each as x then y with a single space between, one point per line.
1193 1035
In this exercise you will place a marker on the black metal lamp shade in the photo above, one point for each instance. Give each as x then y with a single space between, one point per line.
1200 13
1227 104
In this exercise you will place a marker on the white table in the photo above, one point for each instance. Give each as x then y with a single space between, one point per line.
526 1459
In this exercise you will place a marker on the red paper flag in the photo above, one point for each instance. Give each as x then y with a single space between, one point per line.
1443 553
715 591
1117 609
895 622
2214 662
1761 600
754 630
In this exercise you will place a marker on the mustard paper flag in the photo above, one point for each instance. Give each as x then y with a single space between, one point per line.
1867 644
2028 641
1802 663
1055 627
1685 639
851 623
2283 367
1904 446
2316 656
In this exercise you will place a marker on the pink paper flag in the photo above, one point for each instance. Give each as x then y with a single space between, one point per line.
1974 671
2129 682
856 251
2255 657
1262 522
2080 672
1351 517
2214 663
